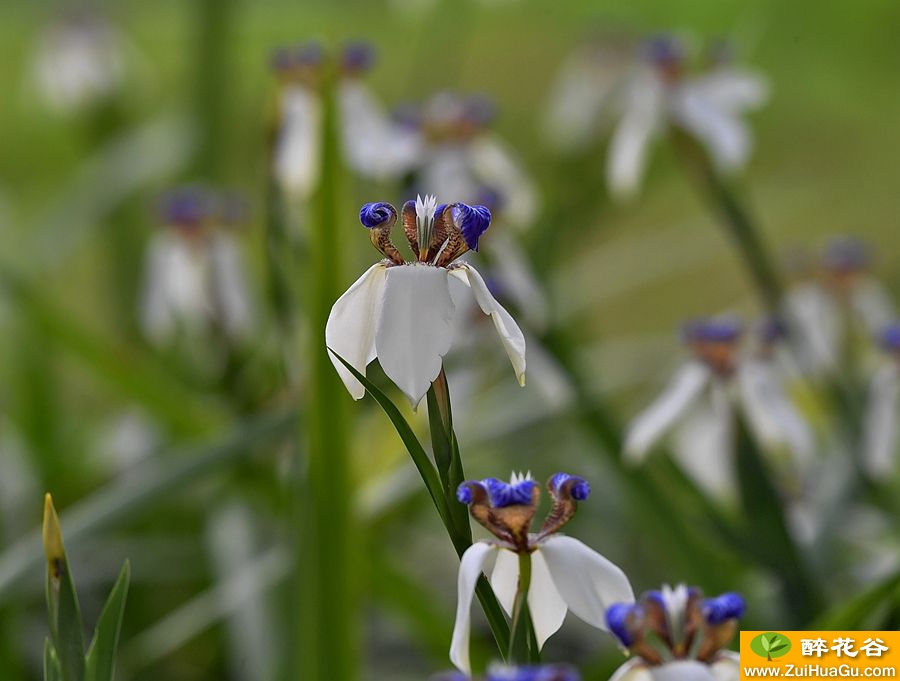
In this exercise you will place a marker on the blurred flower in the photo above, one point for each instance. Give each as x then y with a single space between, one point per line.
546 672
704 398
651 95
883 410
845 301
79 62
194 276
566 574
402 312
374 144
297 150
677 635
463 158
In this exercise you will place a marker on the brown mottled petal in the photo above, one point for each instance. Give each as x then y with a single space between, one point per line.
408 217
514 522
715 638
441 230
381 240
655 616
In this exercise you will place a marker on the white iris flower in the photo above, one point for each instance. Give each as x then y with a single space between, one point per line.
402 312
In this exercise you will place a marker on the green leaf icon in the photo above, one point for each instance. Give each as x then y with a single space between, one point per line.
770 645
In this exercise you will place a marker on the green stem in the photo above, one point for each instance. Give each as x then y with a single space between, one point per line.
734 217
326 647
518 630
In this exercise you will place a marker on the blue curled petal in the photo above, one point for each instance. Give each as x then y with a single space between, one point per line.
373 215
617 621
472 221
358 56
503 494
713 330
552 672
890 337
728 606
464 492
579 490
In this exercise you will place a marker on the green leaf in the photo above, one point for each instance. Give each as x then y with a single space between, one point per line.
52 671
101 657
778 647
856 613
766 528
66 629
486 597
150 486
764 643
410 441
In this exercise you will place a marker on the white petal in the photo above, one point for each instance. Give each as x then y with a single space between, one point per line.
733 90
683 390
505 579
510 334
586 581
232 296
682 670
298 149
641 123
547 607
818 324
725 135
498 168
880 435
727 666
873 305
770 413
415 328
470 568
633 670
350 330
704 445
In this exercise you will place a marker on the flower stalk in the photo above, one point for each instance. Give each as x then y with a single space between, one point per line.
518 630
326 646
734 217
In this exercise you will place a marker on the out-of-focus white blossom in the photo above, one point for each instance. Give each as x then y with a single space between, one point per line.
194 279
702 402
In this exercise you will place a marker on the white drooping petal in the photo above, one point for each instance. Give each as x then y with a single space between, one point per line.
470 568
682 670
732 90
726 666
230 290
812 313
517 279
633 670
641 122
587 582
770 414
704 444
873 305
415 328
585 85
510 334
682 392
176 287
546 606
505 579
498 168
882 412
350 330
725 135
298 149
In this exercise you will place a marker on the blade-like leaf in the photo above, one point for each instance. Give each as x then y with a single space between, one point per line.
101 657
764 643
857 613
66 628
486 597
413 446
148 487
780 646
51 663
